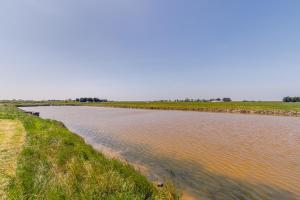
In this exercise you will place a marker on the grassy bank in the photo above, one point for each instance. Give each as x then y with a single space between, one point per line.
57 164
259 107
12 137
239 107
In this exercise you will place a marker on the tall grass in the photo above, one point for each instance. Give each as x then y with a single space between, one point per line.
57 164
12 136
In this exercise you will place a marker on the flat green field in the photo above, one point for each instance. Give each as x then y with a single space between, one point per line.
257 107
56 164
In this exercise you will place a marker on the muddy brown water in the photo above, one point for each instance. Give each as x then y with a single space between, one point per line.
207 155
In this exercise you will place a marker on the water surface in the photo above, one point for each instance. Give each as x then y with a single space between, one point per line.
208 155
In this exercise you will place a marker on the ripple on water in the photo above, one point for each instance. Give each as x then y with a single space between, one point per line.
212 155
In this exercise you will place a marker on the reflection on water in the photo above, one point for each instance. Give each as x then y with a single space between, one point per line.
210 155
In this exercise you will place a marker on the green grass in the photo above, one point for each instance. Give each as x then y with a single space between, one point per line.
12 136
210 106
258 107
57 164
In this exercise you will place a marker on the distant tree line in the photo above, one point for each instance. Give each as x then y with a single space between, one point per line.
199 100
90 99
291 99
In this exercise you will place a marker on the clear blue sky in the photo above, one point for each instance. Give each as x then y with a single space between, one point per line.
149 49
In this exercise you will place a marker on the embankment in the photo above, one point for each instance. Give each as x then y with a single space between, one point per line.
258 107
57 164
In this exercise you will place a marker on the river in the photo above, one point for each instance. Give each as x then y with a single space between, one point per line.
206 155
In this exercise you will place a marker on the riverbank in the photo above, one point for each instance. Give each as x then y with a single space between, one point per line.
258 107
57 164
262 108
12 137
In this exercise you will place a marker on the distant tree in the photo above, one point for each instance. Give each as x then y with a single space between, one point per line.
83 99
89 99
96 99
226 99
291 99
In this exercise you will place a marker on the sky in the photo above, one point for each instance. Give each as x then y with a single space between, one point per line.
149 49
